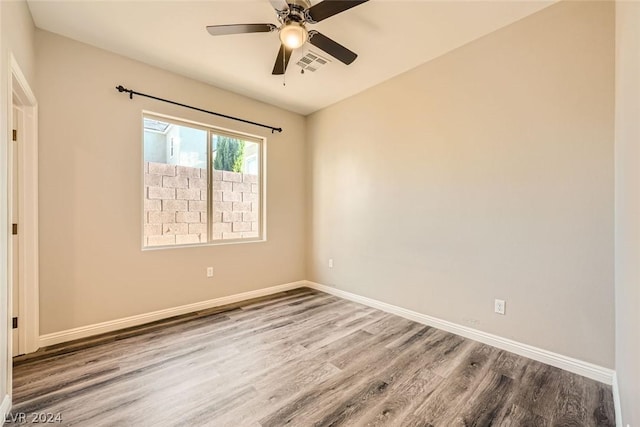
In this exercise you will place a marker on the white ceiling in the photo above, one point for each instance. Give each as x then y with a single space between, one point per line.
389 36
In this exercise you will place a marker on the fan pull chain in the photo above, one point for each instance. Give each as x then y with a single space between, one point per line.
284 67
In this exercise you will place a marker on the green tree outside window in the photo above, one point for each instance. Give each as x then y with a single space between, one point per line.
229 154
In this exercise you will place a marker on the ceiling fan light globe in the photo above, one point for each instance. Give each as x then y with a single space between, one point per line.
293 35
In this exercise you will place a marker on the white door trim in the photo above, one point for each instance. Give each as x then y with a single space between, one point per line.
5 406
28 202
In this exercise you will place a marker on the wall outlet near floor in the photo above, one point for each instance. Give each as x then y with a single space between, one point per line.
209 271
499 306
330 262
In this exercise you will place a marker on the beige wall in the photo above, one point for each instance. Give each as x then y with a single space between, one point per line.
486 173
16 35
92 269
627 189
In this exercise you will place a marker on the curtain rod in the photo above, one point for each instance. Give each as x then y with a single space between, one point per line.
121 89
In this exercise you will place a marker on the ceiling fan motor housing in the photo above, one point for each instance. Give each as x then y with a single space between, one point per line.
299 4
296 11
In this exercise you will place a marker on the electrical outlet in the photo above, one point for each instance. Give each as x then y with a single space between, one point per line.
499 306
209 271
330 262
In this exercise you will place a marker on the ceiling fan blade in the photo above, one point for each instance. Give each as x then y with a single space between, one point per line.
284 54
328 8
333 48
223 30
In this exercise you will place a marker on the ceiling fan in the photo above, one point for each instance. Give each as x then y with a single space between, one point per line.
294 16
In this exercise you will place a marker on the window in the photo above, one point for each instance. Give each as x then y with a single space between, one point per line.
202 185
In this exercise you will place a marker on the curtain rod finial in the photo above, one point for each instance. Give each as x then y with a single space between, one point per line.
121 89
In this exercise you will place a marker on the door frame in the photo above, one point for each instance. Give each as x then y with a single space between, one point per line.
20 94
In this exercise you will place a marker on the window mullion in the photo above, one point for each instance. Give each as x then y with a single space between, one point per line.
209 187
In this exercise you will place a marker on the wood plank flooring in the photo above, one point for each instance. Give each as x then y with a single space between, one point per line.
299 358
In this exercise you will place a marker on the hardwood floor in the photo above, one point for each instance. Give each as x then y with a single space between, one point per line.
299 358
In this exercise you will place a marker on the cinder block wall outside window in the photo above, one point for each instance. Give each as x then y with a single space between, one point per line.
175 206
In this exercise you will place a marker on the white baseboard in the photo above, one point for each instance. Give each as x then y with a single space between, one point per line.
616 400
5 407
576 366
570 364
140 319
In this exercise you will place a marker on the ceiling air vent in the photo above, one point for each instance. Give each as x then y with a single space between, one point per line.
312 61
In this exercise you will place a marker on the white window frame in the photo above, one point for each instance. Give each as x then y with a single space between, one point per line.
212 130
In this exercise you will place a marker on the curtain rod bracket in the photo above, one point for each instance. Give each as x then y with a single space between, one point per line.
121 89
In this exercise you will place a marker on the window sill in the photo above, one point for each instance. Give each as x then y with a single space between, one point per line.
200 245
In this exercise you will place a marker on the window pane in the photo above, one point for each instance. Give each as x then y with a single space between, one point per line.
175 184
236 188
